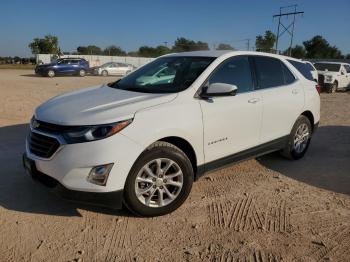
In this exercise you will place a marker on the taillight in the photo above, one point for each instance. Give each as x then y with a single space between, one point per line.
318 88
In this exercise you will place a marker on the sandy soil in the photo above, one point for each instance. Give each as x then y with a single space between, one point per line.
268 209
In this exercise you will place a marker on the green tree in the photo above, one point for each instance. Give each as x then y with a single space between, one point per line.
46 45
89 50
297 51
147 51
114 51
318 47
265 43
347 56
223 46
184 45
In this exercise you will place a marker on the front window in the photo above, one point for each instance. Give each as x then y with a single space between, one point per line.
165 75
234 71
327 67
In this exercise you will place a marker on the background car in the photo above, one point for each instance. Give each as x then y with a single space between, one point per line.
113 68
161 75
333 76
64 66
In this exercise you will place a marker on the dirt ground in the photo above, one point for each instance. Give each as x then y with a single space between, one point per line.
267 209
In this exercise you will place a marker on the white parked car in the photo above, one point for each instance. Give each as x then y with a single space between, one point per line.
113 68
144 145
333 76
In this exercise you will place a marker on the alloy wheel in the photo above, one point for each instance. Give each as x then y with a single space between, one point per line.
159 182
301 138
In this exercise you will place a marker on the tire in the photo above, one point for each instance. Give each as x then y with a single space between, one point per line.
143 197
302 127
104 73
333 88
82 73
51 73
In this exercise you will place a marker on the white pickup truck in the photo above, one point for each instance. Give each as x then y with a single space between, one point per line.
333 76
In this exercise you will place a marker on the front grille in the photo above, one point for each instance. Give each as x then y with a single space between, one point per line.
41 145
51 128
320 79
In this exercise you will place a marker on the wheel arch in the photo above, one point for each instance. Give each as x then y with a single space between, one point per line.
311 118
185 146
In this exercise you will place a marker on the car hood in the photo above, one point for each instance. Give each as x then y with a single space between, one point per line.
97 105
327 73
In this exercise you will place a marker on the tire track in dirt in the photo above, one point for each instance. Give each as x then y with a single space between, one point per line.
243 215
252 256
277 217
118 242
334 245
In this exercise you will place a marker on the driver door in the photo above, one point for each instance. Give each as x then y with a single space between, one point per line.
113 69
232 123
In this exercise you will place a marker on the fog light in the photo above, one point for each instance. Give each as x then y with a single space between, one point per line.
99 174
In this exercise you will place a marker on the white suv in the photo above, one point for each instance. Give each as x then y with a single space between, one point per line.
143 145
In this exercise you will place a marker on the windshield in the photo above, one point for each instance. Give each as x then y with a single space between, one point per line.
165 75
106 64
327 67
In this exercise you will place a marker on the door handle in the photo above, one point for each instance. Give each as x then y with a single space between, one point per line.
253 100
295 91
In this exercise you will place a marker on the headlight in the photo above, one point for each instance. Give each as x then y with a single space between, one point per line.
92 133
328 78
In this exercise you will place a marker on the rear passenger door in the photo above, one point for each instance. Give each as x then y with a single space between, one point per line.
282 94
74 66
231 123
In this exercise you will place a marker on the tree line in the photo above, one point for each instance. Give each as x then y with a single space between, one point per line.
316 47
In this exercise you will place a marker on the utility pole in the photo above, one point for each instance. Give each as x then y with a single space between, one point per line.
248 44
290 28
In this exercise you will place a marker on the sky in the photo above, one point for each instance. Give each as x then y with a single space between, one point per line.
133 23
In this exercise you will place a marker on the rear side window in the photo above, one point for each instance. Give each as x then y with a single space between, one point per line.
288 76
310 67
269 72
235 71
302 68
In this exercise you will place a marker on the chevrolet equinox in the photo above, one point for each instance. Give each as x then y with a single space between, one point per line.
142 144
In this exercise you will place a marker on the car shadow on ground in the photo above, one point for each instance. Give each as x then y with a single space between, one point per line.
31 75
326 165
21 193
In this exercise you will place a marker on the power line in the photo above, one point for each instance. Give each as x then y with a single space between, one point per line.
290 28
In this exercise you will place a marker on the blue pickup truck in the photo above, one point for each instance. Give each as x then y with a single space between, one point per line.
64 66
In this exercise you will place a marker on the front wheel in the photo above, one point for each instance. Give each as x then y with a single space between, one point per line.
333 87
299 139
159 182
82 72
51 73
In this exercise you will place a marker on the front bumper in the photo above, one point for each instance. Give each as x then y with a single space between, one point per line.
113 199
71 164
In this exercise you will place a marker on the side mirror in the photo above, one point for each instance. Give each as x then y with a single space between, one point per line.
218 89
342 72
